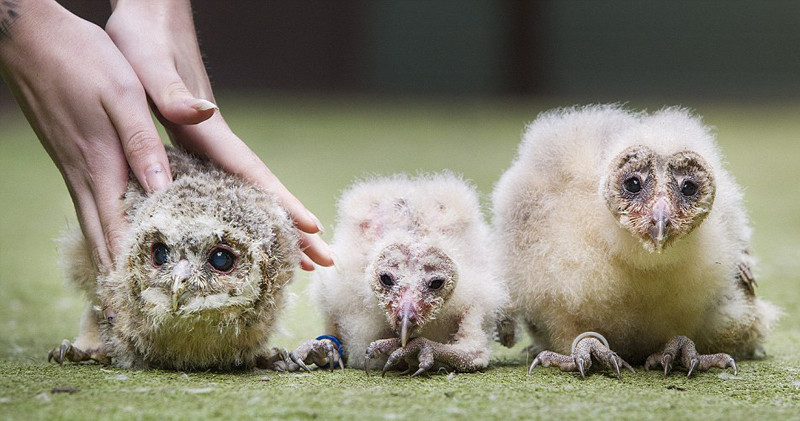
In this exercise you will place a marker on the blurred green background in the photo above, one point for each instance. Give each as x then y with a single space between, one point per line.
328 92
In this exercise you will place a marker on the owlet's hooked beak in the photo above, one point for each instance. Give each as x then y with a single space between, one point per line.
180 274
408 315
660 223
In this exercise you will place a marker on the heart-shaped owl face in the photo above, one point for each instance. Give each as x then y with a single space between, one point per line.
659 199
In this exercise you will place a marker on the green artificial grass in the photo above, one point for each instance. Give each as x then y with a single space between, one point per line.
317 147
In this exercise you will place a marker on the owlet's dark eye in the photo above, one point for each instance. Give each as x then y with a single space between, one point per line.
688 188
386 280
633 184
436 283
159 254
222 259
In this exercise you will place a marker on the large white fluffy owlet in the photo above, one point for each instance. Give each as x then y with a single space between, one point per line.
414 285
628 225
199 282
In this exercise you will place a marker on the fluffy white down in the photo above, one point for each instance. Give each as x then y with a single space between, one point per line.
448 215
572 267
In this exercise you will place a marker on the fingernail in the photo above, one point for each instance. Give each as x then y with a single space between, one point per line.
320 228
204 105
156 178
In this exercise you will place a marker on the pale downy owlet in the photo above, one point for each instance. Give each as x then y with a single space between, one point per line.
414 285
628 225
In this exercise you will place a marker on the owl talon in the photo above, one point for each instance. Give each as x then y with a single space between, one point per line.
68 352
615 363
681 348
536 361
378 348
322 352
667 363
299 362
423 354
418 372
586 348
59 352
692 366
385 368
580 363
331 359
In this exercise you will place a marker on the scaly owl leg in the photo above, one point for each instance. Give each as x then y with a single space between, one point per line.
506 332
68 352
322 352
380 347
424 353
683 348
581 358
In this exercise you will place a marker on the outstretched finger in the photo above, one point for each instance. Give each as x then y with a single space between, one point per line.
141 144
316 249
172 98
89 218
96 188
214 140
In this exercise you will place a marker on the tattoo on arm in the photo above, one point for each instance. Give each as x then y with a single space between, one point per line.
8 14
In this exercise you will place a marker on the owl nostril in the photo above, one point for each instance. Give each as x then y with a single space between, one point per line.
182 271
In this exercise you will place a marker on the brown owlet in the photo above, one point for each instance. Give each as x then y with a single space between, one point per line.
627 225
200 280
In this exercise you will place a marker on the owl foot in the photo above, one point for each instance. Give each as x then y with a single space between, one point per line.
681 348
584 348
423 354
322 352
380 347
68 352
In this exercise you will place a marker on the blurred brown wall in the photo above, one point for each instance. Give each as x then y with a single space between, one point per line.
591 50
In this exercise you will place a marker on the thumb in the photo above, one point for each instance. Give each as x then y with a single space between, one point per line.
177 104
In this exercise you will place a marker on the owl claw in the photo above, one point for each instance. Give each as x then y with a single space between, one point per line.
62 352
579 362
536 361
587 347
378 348
681 348
423 354
692 366
615 363
299 362
418 372
68 352
322 352
385 368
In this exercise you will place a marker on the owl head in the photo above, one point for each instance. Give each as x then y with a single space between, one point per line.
659 197
412 283
208 250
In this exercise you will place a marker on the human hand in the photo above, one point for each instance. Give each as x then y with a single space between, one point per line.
90 112
158 39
